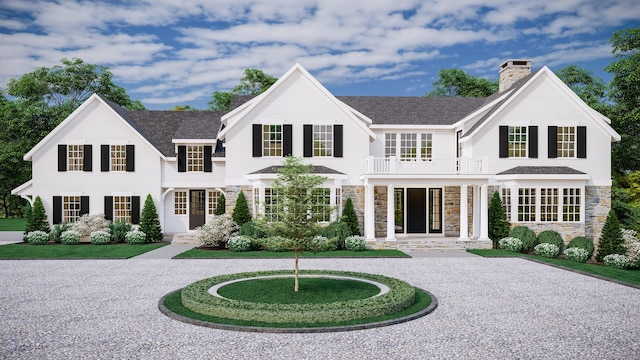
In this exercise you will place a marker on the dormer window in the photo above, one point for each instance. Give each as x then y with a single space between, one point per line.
195 158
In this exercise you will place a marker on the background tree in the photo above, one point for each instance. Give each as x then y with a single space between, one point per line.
296 219
457 83
498 224
350 218
590 88
37 218
241 213
254 82
221 207
149 223
611 241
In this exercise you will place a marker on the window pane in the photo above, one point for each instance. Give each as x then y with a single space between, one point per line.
517 141
566 141
322 140
118 157
75 159
272 140
70 208
180 203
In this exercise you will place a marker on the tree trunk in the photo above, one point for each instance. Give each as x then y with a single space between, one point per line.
295 286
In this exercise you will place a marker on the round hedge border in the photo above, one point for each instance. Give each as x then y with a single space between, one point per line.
394 300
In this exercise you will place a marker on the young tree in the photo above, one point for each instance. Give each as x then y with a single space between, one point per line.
221 208
241 213
149 223
37 218
296 219
498 224
457 83
611 241
254 82
349 216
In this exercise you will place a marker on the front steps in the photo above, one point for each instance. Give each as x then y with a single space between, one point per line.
425 244
182 239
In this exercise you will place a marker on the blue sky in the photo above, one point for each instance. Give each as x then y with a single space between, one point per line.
167 53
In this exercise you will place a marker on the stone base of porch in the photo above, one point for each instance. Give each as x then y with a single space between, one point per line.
448 244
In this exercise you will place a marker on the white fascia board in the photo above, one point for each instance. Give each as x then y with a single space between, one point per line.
412 127
271 176
22 188
194 141
550 177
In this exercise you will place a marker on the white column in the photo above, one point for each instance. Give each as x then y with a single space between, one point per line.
464 213
369 213
484 212
476 212
391 223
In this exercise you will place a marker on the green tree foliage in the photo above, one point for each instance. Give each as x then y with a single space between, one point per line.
221 207
254 82
498 224
296 219
457 83
626 206
590 88
350 217
149 222
611 241
241 213
37 218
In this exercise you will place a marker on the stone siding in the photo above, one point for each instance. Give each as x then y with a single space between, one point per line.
231 196
380 195
452 211
356 194
597 206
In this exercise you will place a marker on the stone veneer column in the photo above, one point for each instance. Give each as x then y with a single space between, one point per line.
391 229
464 219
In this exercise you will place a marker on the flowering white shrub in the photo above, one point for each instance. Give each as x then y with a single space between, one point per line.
217 231
576 254
100 238
37 237
70 237
617 261
319 243
86 224
239 243
355 243
632 244
134 237
547 250
510 244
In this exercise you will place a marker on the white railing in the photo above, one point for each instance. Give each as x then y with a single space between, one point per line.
392 165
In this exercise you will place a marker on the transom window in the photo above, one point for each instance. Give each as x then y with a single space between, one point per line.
75 158
272 140
118 157
322 140
71 208
214 197
195 158
526 204
548 204
571 204
180 203
566 141
517 141
122 209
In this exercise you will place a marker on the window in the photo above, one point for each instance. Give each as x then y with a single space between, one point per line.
195 158
517 141
566 141
180 203
506 202
322 140
526 204
118 157
71 208
571 204
389 145
548 204
272 140
214 196
338 200
426 146
408 147
122 209
323 200
271 204
75 158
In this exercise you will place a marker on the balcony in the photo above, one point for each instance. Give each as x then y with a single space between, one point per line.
392 165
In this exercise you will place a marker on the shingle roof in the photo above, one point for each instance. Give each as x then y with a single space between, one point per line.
541 170
316 169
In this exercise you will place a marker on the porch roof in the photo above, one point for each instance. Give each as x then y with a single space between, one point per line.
541 170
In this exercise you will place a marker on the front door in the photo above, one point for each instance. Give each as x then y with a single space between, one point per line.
416 211
196 208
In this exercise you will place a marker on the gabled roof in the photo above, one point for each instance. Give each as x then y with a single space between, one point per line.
316 169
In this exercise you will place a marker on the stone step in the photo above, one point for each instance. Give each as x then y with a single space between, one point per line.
183 239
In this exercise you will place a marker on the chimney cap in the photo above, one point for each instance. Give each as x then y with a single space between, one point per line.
515 63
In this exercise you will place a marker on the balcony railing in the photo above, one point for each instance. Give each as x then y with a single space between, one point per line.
393 165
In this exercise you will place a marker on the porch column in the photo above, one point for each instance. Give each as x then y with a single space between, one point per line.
369 213
391 223
476 212
464 213
484 212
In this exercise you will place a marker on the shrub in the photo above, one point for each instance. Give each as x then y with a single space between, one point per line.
355 243
86 224
135 237
551 237
241 213
498 224
526 235
610 241
100 238
149 223
278 244
118 231
58 229
576 254
37 218
37 237
239 243
547 250
350 217
217 231
617 261
632 245
510 244
320 243
221 207
337 230
254 229
582 242
70 237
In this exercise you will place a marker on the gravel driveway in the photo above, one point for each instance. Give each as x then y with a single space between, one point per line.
488 309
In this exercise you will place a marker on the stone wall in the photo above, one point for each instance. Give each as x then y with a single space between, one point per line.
597 206
231 196
356 193
380 195
452 211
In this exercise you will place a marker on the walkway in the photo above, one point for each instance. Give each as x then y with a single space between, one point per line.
165 252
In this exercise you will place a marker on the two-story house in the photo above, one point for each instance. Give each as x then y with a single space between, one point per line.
413 166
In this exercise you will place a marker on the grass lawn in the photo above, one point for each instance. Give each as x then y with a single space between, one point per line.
631 276
13 224
82 251
196 253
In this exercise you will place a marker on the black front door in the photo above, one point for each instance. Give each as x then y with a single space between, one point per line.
416 211
196 208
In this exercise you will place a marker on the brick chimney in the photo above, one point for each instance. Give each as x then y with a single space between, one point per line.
512 71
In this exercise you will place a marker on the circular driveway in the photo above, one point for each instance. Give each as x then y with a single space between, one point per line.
503 308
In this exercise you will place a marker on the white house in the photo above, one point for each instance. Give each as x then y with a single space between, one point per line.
414 166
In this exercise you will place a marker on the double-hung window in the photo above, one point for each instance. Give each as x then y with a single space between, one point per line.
122 209
180 203
71 206
271 140
517 141
75 157
195 158
566 136
322 140
526 204
118 157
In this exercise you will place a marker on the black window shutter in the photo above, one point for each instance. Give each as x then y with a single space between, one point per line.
287 140
553 142
62 157
337 140
84 205
182 158
135 209
57 209
257 140
504 142
108 208
308 141
582 142
533 141
208 149
87 158
105 164
131 158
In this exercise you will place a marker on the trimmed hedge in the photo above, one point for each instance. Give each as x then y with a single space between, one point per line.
197 298
526 235
551 237
582 243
